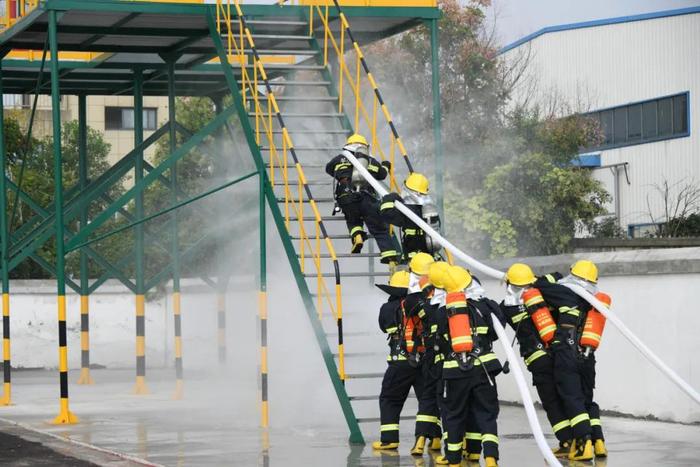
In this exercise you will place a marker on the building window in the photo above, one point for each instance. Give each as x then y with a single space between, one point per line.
643 122
122 118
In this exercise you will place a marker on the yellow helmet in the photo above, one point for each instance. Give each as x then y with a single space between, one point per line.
357 138
456 278
398 284
417 182
520 274
399 279
586 270
420 263
436 273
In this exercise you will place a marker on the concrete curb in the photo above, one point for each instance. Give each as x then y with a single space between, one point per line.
73 448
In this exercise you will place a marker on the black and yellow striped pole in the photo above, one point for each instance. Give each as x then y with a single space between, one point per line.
6 398
65 416
175 243
85 377
262 308
140 386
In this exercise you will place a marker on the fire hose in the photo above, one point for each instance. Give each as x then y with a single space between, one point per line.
496 274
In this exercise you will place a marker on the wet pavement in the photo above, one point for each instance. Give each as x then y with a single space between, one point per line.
216 425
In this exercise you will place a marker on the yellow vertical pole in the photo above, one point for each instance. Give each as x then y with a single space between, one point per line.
7 385
140 387
179 382
341 63
357 94
85 377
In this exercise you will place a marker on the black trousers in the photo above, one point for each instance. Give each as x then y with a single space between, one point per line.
399 377
587 367
542 371
569 382
459 397
364 209
428 417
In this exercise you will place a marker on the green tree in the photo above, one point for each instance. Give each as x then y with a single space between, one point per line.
510 186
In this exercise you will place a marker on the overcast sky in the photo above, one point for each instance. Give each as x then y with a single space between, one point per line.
518 18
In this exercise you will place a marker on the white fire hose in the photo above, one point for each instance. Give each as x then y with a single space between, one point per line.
496 274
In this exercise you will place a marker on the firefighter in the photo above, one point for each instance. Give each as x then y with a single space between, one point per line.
534 347
416 198
469 370
358 200
429 432
400 318
574 358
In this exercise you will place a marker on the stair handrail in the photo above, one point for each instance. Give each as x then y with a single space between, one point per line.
345 75
293 203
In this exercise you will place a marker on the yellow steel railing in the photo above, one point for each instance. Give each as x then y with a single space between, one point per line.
15 10
315 245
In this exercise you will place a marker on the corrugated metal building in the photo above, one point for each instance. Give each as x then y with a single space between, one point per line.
640 76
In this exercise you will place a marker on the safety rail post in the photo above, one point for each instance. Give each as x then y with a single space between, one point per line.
222 280
65 416
262 306
85 377
175 241
140 387
6 398
437 114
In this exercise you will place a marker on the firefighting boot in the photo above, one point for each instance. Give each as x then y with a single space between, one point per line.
563 449
581 449
419 446
434 444
379 446
600 449
358 241
472 456
442 460
392 267
491 462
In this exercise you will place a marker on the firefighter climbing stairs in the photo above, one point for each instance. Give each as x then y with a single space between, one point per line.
307 87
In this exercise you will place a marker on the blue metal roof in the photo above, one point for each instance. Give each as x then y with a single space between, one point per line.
601 22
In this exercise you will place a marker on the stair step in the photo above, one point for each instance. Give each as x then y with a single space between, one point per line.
350 274
270 22
323 218
363 375
374 398
327 182
281 37
305 166
306 98
332 237
288 66
349 255
377 419
300 83
304 148
318 200
300 115
314 132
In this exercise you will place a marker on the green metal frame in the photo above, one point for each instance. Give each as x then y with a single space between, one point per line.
104 77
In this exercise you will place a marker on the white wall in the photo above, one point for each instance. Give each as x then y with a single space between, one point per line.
663 311
612 65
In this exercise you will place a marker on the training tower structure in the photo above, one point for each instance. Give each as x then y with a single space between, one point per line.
294 81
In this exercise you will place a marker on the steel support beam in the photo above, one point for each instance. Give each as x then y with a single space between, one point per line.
65 416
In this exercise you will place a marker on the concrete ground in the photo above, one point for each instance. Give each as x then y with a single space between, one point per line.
215 425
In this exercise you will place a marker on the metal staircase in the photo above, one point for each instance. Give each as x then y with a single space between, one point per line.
302 107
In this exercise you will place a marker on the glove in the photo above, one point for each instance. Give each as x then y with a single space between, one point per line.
386 165
391 197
